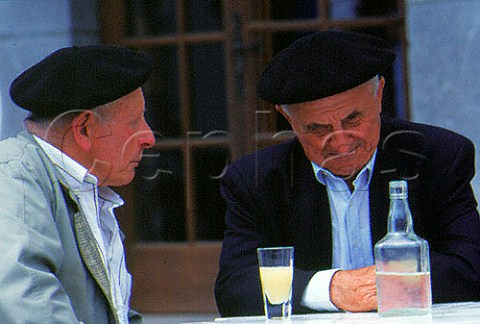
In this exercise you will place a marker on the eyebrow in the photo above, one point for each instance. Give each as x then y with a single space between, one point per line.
353 115
315 127
312 127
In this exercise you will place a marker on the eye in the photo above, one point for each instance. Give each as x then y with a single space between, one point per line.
317 129
353 120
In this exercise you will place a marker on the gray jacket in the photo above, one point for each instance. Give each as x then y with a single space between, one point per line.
50 268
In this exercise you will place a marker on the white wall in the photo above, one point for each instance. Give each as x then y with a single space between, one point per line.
444 63
29 31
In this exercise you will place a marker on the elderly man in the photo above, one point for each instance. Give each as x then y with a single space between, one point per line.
62 253
326 191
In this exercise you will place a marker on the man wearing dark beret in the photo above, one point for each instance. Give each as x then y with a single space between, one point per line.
62 253
326 191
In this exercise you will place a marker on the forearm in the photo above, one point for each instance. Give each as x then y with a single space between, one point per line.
316 294
349 290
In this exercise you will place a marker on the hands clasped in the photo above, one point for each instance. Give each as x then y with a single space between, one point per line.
354 290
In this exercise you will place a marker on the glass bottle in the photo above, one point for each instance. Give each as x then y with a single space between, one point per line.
402 262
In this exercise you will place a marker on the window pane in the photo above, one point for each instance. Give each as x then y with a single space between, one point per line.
210 208
343 9
203 15
207 86
372 8
162 94
160 198
288 9
150 17
339 9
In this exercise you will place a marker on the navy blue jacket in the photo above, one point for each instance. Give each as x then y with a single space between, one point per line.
273 199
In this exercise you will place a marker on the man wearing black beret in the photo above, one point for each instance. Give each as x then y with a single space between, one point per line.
326 191
62 253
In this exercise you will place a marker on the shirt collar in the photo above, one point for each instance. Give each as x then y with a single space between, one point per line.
63 161
321 173
77 175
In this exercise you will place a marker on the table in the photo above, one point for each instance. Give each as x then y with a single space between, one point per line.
452 313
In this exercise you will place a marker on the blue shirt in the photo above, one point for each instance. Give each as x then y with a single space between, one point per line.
352 242
350 216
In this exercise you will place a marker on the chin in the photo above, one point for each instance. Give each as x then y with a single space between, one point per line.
345 173
120 181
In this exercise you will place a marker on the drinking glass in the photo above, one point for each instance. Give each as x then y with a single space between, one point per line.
276 275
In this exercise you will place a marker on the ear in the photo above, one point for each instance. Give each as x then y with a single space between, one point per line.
282 111
82 129
381 85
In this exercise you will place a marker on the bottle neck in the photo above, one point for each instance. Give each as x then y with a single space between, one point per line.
399 217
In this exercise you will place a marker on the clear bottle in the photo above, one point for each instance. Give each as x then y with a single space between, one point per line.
402 262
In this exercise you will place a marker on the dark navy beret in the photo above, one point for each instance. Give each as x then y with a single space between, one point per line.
323 64
80 77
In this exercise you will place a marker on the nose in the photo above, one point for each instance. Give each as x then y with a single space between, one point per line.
340 142
146 138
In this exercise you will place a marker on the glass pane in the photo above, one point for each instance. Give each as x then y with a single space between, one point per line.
203 15
150 17
207 86
288 9
373 8
160 198
351 9
343 9
208 168
162 94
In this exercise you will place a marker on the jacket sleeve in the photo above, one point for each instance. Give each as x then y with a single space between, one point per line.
248 226
238 289
31 250
455 239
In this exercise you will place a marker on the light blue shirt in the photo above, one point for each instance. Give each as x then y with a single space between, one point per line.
350 215
351 236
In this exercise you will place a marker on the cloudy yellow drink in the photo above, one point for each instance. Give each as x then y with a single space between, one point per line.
276 283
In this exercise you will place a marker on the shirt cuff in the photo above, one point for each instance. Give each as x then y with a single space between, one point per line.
316 295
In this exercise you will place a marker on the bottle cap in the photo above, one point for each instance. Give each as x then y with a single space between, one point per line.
398 189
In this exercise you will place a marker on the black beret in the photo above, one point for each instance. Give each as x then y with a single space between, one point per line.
323 64
80 77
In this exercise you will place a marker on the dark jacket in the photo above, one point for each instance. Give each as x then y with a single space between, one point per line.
273 199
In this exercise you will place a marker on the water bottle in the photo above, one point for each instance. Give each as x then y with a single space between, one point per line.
402 262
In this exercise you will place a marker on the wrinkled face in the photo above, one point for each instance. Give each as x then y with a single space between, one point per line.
119 137
340 132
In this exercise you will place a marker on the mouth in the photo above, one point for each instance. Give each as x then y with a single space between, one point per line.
342 156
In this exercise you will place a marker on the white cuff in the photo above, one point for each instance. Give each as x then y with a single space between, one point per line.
317 293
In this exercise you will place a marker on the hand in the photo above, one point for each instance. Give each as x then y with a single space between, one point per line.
354 290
